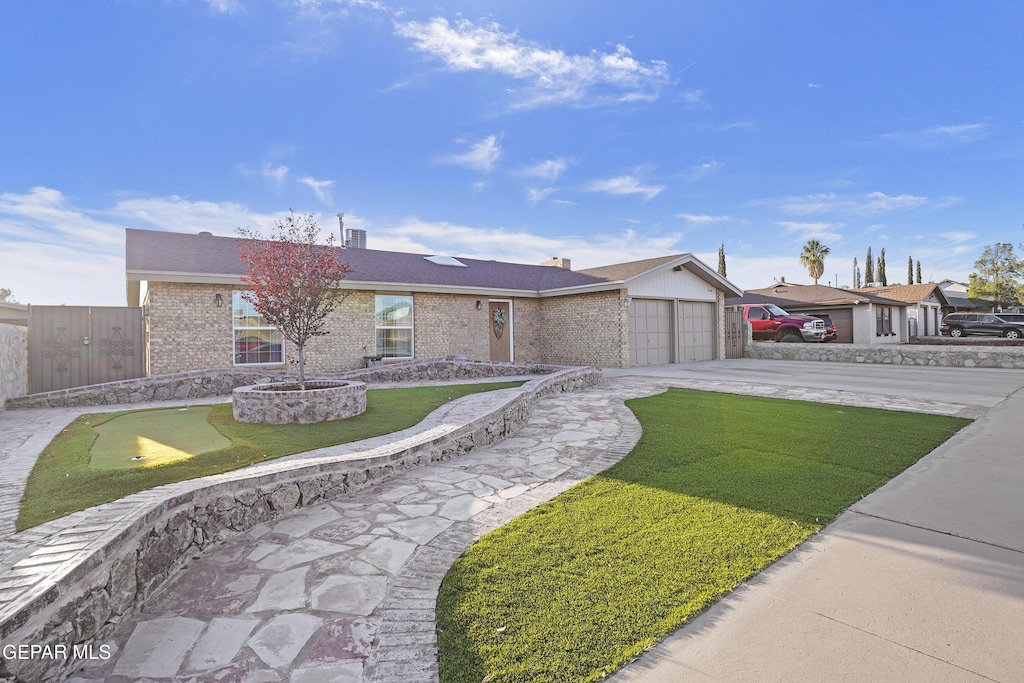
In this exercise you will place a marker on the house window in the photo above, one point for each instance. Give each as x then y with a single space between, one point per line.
393 326
883 321
256 342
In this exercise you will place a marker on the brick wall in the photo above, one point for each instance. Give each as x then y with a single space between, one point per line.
450 325
13 362
351 337
586 329
186 330
527 338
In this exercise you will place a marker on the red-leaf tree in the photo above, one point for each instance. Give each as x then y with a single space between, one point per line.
293 281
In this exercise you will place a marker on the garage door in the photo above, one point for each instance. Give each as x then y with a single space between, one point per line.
650 332
696 331
843 319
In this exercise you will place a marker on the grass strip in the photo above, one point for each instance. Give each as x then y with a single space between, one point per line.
62 481
718 487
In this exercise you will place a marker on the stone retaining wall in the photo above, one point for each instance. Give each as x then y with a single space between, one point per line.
205 383
894 354
79 601
320 401
13 362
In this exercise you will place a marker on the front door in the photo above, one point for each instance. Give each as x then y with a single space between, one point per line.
499 325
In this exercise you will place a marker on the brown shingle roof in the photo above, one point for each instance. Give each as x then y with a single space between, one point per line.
909 293
822 294
624 271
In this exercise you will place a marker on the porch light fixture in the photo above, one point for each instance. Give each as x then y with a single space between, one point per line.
629 300
218 300
479 305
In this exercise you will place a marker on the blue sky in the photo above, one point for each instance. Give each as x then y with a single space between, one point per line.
597 131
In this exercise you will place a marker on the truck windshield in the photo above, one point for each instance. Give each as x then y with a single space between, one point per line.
775 310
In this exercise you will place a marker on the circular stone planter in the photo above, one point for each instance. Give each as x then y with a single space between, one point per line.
288 404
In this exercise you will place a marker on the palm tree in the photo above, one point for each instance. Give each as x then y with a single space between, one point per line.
813 258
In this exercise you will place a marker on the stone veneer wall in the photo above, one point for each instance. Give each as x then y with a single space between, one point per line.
901 354
130 561
586 329
13 362
220 382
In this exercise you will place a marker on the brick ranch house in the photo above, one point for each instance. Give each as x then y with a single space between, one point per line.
402 306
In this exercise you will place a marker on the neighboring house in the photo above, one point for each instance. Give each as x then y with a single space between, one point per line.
860 318
402 306
926 303
956 296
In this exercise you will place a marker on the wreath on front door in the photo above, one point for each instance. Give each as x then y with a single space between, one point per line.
499 318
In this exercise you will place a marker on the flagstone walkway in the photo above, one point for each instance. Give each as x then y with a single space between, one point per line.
345 591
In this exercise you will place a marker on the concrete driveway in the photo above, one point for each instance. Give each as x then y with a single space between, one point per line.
923 580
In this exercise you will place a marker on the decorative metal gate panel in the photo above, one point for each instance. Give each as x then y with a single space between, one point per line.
72 346
734 333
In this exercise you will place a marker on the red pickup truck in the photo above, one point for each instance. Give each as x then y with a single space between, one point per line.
768 321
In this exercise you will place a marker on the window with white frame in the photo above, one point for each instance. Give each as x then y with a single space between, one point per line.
255 341
393 325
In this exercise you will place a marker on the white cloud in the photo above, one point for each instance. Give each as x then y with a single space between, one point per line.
274 175
533 195
587 251
694 98
702 219
701 170
815 86
550 169
869 204
957 237
738 125
817 231
551 76
937 136
224 6
879 202
756 272
322 188
625 184
481 156
53 252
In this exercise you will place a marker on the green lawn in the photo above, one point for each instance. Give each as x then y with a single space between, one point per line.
718 487
69 476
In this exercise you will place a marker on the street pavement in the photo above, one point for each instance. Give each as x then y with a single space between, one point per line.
923 580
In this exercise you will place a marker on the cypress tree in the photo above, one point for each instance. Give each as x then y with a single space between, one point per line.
869 270
910 270
881 269
919 271
721 259
856 273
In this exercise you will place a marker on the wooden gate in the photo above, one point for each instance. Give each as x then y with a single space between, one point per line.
72 346
734 332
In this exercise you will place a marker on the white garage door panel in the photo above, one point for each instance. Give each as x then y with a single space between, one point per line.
696 331
650 332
